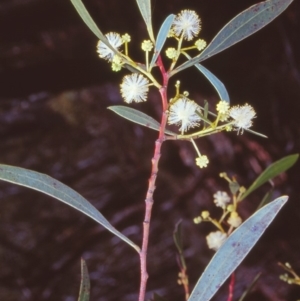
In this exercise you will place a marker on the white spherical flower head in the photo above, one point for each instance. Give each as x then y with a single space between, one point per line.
242 117
134 88
221 199
186 23
183 112
104 51
215 240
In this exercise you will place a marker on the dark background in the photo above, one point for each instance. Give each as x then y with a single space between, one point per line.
54 91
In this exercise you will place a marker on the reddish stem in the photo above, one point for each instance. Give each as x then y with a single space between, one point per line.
185 283
151 185
231 287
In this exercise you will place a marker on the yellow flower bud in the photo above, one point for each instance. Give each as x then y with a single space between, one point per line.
205 214
147 45
171 53
234 219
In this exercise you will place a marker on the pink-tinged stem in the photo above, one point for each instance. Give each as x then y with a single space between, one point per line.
151 185
231 287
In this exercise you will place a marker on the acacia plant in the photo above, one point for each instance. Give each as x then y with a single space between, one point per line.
193 120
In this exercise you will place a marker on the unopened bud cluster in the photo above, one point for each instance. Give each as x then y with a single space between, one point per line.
291 277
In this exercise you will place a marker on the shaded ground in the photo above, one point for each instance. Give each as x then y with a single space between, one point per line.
53 119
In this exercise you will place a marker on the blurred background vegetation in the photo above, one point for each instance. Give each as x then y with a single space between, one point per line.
53 119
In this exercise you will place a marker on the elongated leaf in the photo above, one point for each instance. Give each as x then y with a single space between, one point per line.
84 293
177 236
243 25
85 16
256 133
266 199
205 109
145 9
133 69
234 250
138 117
272 171
250 287
218 85
60 191
161 38
234 187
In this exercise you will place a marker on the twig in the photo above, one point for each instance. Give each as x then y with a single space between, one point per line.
151 185
231 287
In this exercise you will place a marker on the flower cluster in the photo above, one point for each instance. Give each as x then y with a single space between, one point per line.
182 111
188 114
291 277
134 87
229 218
110 49
186 26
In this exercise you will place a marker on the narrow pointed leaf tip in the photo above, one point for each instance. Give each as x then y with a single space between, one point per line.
138 117
218 85
161 38
47 185
145 9
234 250
243 25
85 16
271 172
